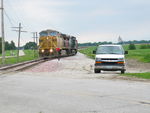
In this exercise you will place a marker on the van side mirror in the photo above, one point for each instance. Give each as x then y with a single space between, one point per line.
94 52
126 52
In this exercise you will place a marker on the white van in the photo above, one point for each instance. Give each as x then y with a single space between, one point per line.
110 58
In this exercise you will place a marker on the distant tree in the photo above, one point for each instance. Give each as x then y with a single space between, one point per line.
30 45
145 46
12 45
137 42
132 47
7 46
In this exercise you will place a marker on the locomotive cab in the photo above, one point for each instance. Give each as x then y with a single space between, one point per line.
48 43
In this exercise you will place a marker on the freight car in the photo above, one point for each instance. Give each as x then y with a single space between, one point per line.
53 43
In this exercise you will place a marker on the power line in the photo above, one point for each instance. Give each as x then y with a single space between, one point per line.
13 10
15 13
10 20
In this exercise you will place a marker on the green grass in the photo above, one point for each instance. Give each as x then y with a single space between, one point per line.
126 47
138 75
142 55
29 55
89 51
10 53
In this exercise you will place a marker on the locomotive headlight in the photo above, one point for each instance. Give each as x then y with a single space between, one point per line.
51 50
42 50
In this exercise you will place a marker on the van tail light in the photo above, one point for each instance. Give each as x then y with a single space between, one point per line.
98 62
120 62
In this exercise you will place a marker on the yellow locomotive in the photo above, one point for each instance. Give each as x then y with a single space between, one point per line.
54 43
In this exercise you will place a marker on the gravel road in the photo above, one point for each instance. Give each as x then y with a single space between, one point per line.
70 86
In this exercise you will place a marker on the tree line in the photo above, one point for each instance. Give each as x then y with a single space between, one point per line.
93 44
11 45
30 45
105 42
136 42
33 45
8 46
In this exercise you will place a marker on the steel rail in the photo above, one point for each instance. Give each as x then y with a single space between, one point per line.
25 65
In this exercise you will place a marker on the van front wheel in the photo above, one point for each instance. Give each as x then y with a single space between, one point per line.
97 71
122 71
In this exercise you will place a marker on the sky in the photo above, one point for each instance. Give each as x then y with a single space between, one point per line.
88 20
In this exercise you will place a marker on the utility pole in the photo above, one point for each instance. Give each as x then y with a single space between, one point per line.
34 40
19 35
2 32
36 36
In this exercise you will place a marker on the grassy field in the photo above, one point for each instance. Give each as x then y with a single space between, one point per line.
138 75
29 55
142 55
10 53
88 51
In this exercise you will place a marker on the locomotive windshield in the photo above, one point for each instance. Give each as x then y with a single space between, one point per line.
52 34
43 34
48 33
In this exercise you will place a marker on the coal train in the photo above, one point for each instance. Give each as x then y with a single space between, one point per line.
53 43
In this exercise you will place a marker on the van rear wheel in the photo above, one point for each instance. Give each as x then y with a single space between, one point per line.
97 70
122 71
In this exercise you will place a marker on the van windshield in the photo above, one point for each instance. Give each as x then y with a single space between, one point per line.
110 50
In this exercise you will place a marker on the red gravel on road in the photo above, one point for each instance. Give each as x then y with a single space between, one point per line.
48 66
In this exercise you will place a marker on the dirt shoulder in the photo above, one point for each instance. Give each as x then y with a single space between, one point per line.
134 66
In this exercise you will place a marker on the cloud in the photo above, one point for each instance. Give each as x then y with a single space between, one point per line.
104 12
43 10
139 1
95 36
139 31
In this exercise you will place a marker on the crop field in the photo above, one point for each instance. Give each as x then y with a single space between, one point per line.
29 55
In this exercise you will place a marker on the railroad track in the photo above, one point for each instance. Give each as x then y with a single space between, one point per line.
20 66
25 65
